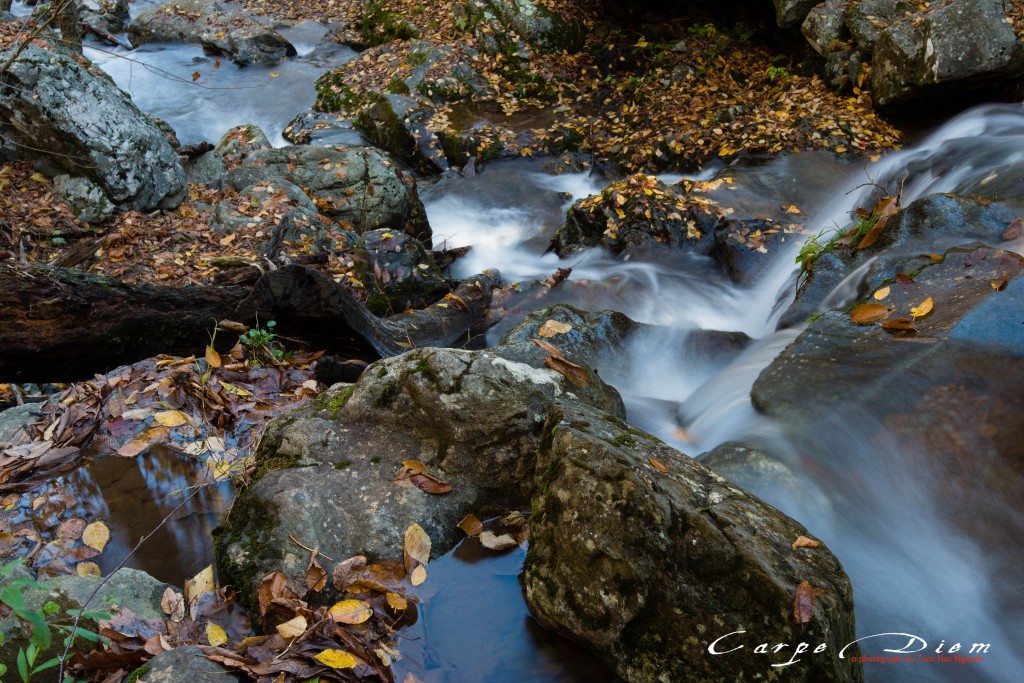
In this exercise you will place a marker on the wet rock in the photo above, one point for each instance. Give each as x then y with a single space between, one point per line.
742 248
82 123
964 46
325 471
234 34
355 184
110 15
792 12
400 271
647 568
397 124
260 203
519 26
187 663
439 74
930 225
241 141
15 423
84 197
866 20
322 128
754 470
823 25
206 169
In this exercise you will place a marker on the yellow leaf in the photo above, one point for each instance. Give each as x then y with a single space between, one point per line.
336 659
201 584
865 314
418 576
351 611
881 294
216 635
924 309
292 628
396 601
553 327
96 536
87 569
417 545
171 418
274 74
39 177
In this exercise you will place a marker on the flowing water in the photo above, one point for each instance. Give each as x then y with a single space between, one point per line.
911 569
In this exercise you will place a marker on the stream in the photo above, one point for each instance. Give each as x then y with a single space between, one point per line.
912 571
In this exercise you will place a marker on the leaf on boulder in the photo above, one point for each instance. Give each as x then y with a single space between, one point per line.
572 372
316 576
96 536
413 474
553 327
804 542
657 465
351 611
346 572
865 314
803 602
1014 230
881 293
923 309
899 325
273 588
87 569
417 546
173 604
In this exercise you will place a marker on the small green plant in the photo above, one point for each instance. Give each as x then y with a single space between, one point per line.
702 30
262 345
775 73
810 251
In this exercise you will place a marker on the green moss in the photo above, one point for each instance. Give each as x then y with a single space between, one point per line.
624 440
375 460
333 95
250 524
333 402
387 395
343 465
379 25
398 87
139 673
383 371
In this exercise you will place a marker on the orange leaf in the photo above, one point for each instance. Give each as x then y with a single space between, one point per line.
212 357
924 309
866 314
804 542
471 525
657 465
803 602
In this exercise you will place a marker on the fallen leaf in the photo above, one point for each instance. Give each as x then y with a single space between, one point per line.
87 569
199 584
572 372
881 294
345 573
1000 284
195 76
132 448
471 525
351 611
804 542
413 474
1014 230
171 418
868 313
657 465
397 602
492 542
885 208
549 347
899 325
336 659
96 536
316 576
417 546
212 357
924 309
803 602
293 628
173 604
418 576
216 635
71 528
273 587
553 327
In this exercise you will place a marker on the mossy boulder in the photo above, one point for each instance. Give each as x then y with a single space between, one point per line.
398 271
647 558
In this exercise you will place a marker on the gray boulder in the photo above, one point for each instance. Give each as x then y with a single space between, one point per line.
519 27
647 558
792 12
186 663
85 125
402 273
84 197
110 15
234 34
355 184
965 46
823 25
264 203
397 124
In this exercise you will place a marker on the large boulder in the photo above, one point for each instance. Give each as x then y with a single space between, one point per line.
355 184
649 558
234 34
519 27
397 123
399 272
790 13
76 120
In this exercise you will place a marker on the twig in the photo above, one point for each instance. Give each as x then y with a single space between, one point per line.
315 551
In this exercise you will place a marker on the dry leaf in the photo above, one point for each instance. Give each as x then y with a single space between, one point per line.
866 314
885 208
199 585
803 602
351 611
572 372
471 525
1014 230
345 573
657 465
96 536
87 569
212 357
804 542
71 528
316 576
293 628
549 347
336 659
881 294
899 325
924 309
418 576
397 602
553 327
171 418
1000 284
216 635
173 604
492 542
417 546
413 474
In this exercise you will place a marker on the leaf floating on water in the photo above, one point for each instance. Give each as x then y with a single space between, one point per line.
417 546
865 314
492 542
293 628
195 76
171 418
216 635
924 309
397 602
96 536
471 525
900 325
351 612
804 542
336 659
657 465
803 602
418 576
553 327
881 294
71 528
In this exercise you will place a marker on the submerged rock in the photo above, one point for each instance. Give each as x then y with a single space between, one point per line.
234 34
78 121
647 558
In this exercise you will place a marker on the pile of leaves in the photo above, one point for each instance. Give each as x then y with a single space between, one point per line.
642 104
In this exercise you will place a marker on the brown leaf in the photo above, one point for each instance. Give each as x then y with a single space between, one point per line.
413 474
899 325
804 542
173 604
885 208
417 546
572 372
273 587
345 573
803 602
430 484
316 576
71 528
1014 230
553 327
212 357
657 465
1000 284
866 314
549 347
471 525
